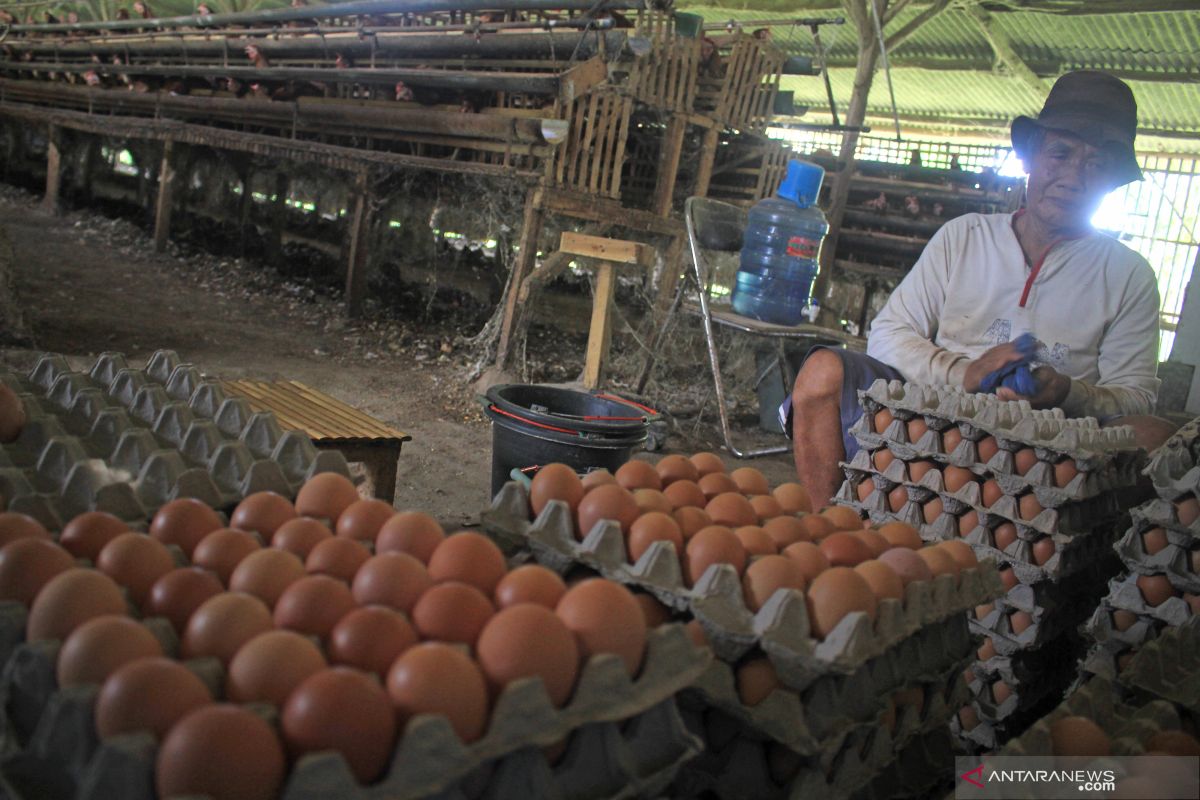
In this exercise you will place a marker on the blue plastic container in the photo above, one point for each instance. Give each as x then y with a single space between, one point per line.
780 250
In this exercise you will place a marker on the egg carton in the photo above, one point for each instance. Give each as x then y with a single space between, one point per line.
1174 560
1163 514
1124 593
1169 667
126 441
1072 555
1174 468
919 771
1045 626
1030 680
818 719
780 627
1101 628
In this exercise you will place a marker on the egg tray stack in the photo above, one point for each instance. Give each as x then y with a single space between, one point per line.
1065 510
1162 542
834 691
126 441
625 738
1168 668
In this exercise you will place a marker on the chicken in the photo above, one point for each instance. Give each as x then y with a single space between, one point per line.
142 10
879 205
257 58
912 206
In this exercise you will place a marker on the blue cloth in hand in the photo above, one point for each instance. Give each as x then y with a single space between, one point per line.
1017 376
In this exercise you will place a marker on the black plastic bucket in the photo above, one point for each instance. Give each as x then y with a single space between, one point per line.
535 425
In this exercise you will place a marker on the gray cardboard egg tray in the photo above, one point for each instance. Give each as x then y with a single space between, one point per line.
916 772
126 441
1014 424
1174 560
1124 593
780 627
430 757
1100 628
1169 667
1163 514
818 719
1030 674
1173 466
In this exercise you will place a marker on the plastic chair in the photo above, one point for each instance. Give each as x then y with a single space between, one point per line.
716 226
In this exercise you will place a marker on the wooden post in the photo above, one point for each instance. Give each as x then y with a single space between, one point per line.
356 259
54 142
600 331
531 227
668 165
708 155
166 197
278 217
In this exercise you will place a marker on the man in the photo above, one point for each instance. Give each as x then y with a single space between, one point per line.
984 280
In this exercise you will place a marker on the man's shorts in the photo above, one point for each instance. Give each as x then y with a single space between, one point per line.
859 371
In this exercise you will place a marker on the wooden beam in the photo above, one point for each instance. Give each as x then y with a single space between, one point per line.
54 143
912 26
668 165
360 230
617 251
600 330
897 7
167 174
1002 46
531 228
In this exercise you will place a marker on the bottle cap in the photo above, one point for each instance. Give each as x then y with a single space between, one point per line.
802 183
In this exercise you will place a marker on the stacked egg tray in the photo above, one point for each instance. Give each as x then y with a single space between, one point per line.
1162 540
625 737
127 441
1049 590
1168 668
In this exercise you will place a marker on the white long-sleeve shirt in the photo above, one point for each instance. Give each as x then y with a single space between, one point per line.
1093 308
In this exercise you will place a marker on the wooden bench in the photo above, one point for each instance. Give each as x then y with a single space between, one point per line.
332 425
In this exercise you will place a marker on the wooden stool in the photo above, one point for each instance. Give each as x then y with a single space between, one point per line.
332 425
610 253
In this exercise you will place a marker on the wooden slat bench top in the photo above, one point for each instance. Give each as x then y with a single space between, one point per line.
325 419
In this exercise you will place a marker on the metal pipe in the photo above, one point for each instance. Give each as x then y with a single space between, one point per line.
351 9
774 23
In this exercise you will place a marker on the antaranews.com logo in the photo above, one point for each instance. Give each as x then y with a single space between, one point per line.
1164 777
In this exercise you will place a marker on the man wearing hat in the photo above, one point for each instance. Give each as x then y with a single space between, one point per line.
1038 292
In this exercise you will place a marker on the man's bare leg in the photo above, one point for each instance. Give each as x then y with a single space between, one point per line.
817 427
1149 432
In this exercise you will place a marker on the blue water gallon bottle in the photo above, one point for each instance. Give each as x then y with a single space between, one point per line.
781 245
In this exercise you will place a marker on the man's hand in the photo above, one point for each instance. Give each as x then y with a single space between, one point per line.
998 357
1052 389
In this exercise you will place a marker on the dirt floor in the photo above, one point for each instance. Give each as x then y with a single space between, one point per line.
88 284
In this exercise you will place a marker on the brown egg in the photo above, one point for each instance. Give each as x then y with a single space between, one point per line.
691 521
961 552
1078 736
605 618
135 561
1124 660
220 751
362 519
1024 460
1187 510
410 532
1008 578
987 650
882 458
1004 535
148 694
394 580
833 594
654 612
809 558
982 611
1194 558
597 477
15 526
434 678
991 493
939 561
86 534
100 646
1065 472
756 679
471 558
951 438
955 478
916 429
555 482
731 509
842 517
224 623
874 541
605 502
270 666
767 575
766 507
184 523
299 536
525 641
1043 550
652 500
371 639
707 463
816 527
919 469
1176 743
897 498
968 717
1156 589
12 415
985 448
70 599
262 512
341 709
337 557
1154 540
845 549
650 528
864 490
883 418
530 584
1029 506
26 565
266 573
717 483
179 593
312 605
750 481
932 510
638 475
222 550
326 496
882 579
1019 621
683 493
900 534
452 612
907 564
695 632
1123 620
793 498
713 545
968 522
674 468
784 530
755 540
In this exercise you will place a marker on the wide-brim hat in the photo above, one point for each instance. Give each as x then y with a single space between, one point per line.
1095 106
